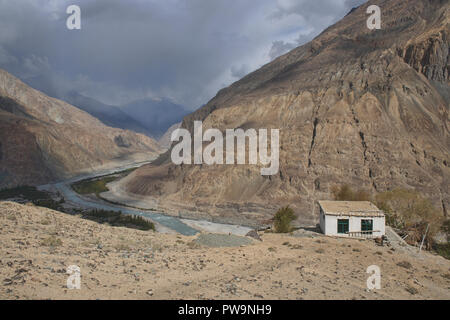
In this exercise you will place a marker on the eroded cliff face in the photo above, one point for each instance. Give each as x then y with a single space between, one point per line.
354 106
430 57
43 139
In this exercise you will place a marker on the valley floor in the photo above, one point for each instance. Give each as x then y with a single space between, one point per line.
38 245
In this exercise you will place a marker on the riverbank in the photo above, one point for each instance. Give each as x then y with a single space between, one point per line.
117 194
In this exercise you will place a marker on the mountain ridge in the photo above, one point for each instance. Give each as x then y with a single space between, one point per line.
110 115
158 115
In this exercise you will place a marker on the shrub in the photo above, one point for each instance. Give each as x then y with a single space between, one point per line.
283 219
412 213
51 241
442 249
411 290
345 193
405 264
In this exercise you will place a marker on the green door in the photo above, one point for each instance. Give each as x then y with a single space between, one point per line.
343 226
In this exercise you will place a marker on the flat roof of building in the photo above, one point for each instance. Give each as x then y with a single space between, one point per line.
351 208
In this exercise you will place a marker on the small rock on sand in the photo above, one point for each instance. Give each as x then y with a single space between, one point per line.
254 234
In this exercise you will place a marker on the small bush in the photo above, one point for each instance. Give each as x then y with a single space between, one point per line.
405 264
345 193
412 290
192 245
45 222
51 241
283 219
443 250
122 247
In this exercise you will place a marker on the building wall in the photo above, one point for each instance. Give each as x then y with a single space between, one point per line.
322 221
330 225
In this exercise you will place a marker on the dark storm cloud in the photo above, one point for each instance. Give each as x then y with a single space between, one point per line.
280 47
315 16
185 50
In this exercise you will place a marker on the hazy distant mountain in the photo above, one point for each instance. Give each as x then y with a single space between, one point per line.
43 84
157 115
165 140
152 117
110 115
43 138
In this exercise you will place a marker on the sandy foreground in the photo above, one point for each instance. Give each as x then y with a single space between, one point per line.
38 245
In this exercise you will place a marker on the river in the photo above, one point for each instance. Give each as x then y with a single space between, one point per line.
182 226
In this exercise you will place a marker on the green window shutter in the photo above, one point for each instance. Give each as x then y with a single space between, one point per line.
367 225
343 226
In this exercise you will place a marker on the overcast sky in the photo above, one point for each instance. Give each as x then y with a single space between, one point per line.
185 50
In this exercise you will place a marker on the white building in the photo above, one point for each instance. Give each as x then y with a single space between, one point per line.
356 219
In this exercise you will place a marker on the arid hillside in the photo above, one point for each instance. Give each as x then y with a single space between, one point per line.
367 108
38 245
43 139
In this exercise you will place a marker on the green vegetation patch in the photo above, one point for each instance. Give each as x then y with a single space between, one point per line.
50 204
25 192
98 185
283 219
443 250
92 186
345 193
118 219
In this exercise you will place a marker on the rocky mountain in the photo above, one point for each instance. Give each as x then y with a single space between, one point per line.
157 115
43 139
368 108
